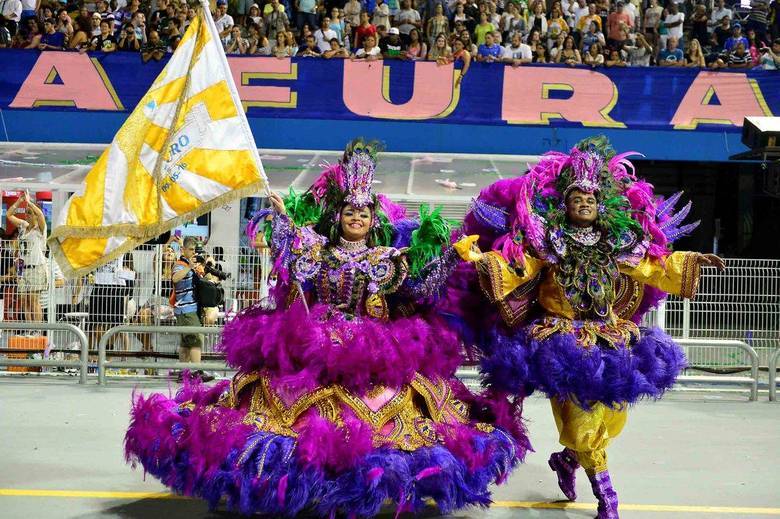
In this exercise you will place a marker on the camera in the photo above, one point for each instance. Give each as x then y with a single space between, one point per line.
208 266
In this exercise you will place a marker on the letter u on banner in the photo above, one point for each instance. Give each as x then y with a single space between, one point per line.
367 91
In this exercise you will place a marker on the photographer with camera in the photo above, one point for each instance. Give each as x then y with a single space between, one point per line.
209 293
185 277
770 56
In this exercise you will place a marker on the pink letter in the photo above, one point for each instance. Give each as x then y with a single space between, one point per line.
527 96
739 97
244 70
367 91
84 84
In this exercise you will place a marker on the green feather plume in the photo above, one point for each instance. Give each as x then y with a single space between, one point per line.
427 241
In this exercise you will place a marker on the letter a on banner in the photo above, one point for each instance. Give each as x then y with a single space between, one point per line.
184 150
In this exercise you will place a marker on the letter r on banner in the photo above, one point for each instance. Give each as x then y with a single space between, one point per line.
527 97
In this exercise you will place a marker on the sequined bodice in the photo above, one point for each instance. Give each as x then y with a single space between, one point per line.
348 276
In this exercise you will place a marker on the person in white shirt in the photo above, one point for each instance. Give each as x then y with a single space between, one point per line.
11 14
578 9
222 20
33 277
30 7
674 23
324 34
370 50
517 52
719 12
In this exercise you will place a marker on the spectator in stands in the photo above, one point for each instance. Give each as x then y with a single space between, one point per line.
370 51
459 52
672 55
721 34
324 34
416 49
275 19
673 23
253 16
222 19
283 47
381 15
242 10
755 44
154 48
64 24
461 16
534 40
718 13
757 19
468 45
32 254
407 19
770 57
639 51
5 37
105 11
365 28
735 39
437 24
139 27
235 43
592 17
105 41
512 22
615 59
490 51
337 24
29 38
28 9
568 53
652 22
594 35
391 46
695 57
556 25
258 43
538 19
128 41
51 39
95 25
774 19
125 14
352 10
10 15
185 306
80 38
517 53
739 57
336 50
440 52
306 14
540 54
593 56
309 49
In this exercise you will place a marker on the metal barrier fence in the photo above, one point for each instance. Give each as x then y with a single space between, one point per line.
104 364
43 345
695 349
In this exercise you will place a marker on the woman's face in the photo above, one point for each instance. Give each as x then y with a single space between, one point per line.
414 35
439 9
236 32
581 208
355 223
441 41
369 42
281 38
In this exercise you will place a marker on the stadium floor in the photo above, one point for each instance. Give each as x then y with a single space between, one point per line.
688 456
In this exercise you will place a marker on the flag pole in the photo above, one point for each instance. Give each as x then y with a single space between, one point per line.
234 93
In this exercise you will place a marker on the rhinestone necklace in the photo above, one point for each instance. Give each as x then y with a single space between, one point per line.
352 246
584 235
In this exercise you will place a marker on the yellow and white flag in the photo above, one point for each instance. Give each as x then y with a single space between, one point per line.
185 150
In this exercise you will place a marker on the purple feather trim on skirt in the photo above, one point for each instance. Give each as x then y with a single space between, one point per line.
301 348
561 368
207 452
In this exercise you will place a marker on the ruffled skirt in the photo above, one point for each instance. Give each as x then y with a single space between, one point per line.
583 365
330 415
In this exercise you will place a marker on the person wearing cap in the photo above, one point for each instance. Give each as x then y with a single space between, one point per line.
103 42
95 27
254 15
736 38
392 47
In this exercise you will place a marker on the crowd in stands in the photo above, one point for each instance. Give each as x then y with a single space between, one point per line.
612 33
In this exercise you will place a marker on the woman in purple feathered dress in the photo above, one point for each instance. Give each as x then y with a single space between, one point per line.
578 251
345 398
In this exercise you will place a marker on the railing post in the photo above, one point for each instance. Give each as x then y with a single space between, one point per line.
773 360
660 315
686 331
101 366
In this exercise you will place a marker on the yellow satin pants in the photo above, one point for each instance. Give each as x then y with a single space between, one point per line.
588 432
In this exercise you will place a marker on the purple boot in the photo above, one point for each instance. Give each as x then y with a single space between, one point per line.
608 499
565 464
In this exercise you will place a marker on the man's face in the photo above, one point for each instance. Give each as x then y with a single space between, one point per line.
370 42
310 42
325 24
488 39
48 27
222 9
405 4
394 38
516 40
581 208
188 251
154 37
776 48
671 44
591 9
